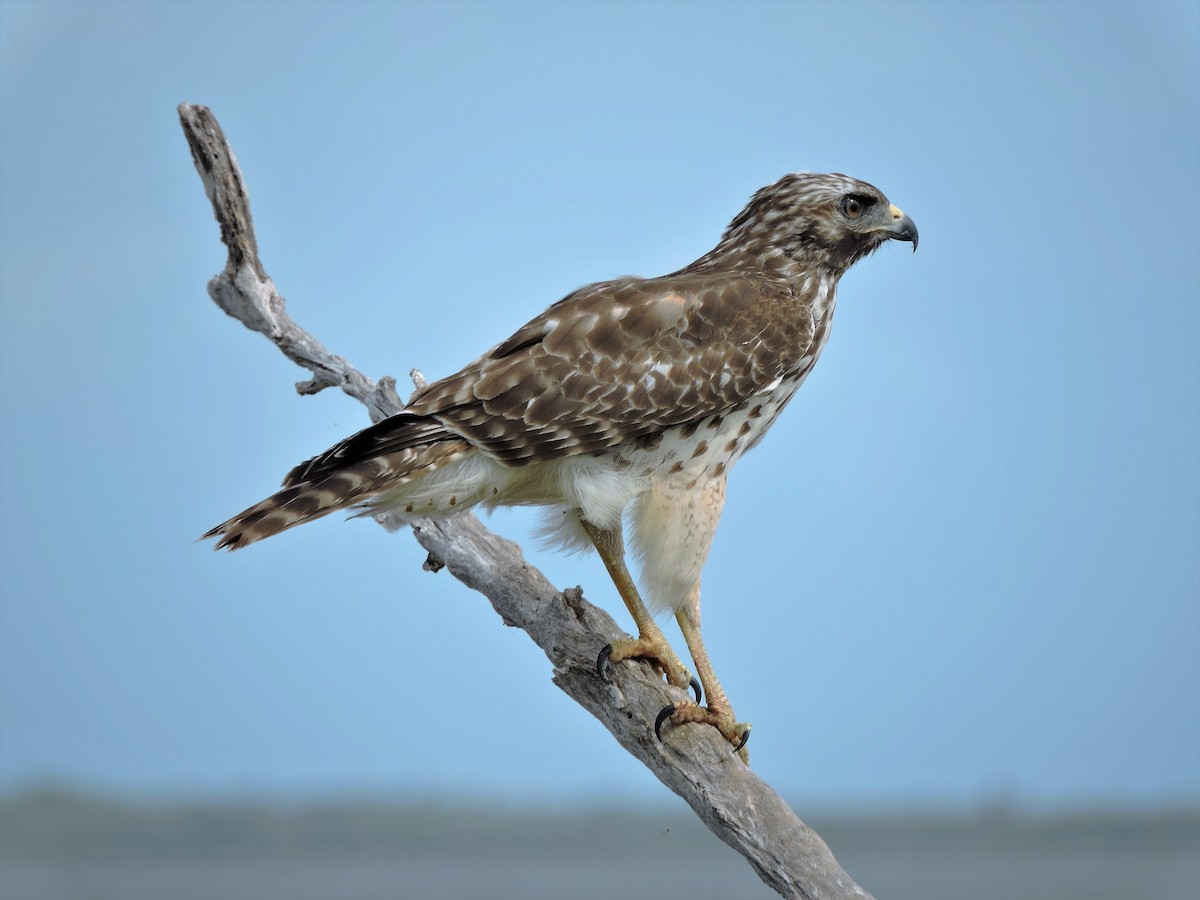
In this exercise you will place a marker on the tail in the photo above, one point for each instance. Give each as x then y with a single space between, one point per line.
390 453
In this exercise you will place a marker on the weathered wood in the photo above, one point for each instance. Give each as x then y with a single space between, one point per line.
694 762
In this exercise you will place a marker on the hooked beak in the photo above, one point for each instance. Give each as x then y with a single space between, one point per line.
901 228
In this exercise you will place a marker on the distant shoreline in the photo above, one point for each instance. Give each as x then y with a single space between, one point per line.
51 822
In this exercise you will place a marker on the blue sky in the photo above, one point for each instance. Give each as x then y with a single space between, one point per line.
965 562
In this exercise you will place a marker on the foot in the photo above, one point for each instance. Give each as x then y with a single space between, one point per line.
737 733
660 655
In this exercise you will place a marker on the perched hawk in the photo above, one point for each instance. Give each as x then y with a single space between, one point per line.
634 396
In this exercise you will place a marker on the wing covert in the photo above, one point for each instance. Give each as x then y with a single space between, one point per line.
621 360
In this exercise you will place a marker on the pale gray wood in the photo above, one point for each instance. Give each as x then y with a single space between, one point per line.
693 761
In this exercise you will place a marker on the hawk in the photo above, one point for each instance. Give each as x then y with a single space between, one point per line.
627 399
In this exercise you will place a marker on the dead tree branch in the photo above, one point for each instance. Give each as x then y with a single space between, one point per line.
695 763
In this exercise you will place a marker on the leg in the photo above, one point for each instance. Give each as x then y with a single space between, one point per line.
674 523
650 643
718 712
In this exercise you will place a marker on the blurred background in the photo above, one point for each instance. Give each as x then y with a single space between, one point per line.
956 590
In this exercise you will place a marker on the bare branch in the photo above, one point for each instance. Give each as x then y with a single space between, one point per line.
694 762
245 291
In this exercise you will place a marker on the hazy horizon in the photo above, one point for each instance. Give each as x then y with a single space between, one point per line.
68 847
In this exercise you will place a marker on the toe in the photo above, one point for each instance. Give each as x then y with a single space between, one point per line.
742 742
604 664
737 733
665 713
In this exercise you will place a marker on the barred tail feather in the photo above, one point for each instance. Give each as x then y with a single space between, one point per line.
351 485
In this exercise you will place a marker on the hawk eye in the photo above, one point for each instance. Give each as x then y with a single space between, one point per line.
853 207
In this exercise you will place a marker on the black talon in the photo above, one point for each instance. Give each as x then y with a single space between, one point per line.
695 685
604 665
665 713
745 737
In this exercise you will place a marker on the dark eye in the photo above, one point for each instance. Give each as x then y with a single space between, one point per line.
853 207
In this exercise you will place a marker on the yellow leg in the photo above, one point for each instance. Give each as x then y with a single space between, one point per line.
718 711
650 643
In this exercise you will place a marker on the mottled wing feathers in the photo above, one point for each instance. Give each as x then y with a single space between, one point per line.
622 360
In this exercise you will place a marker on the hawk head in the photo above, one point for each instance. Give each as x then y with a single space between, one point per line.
807 221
